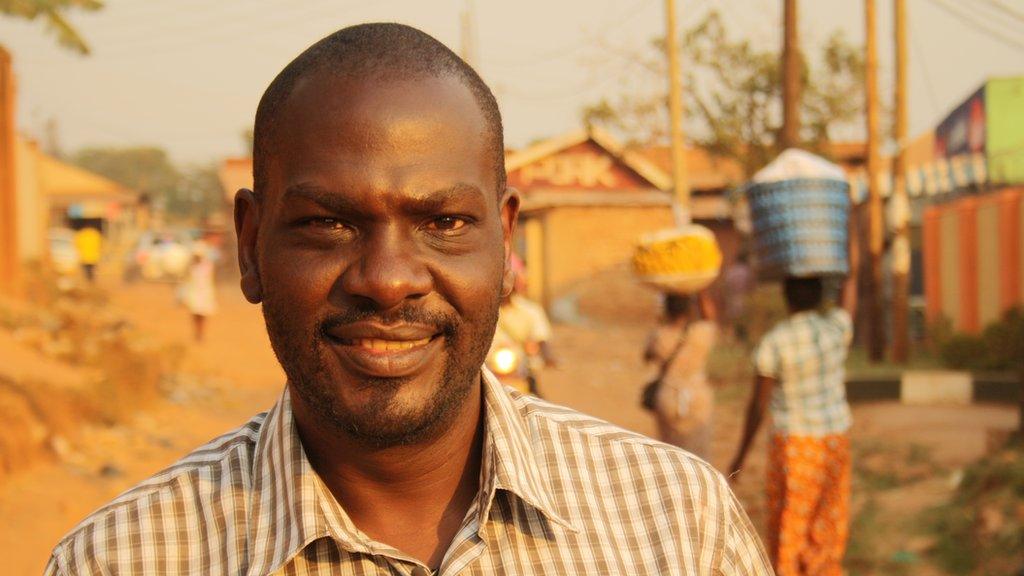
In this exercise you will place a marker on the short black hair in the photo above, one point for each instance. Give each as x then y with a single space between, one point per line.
803 293
378 50
676 306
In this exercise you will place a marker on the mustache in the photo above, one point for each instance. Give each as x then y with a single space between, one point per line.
443 322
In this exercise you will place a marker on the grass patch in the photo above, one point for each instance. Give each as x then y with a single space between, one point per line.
858 365
981 530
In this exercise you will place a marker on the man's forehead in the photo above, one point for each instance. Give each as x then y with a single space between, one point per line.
423 133
326 95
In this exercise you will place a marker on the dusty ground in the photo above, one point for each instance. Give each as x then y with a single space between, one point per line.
909 455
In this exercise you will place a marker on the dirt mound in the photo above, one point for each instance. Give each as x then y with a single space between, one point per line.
63 364
615 296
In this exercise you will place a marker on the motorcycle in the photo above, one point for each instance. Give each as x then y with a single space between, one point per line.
508 362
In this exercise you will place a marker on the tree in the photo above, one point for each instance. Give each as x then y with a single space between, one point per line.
192 193
733 95
199 194
146 169
53 13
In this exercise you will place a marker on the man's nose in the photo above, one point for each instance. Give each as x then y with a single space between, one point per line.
389 270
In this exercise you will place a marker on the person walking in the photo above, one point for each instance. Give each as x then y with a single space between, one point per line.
739 283
681 344
800 380
199 293
89 245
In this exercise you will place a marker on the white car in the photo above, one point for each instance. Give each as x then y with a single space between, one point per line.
160 256
63 254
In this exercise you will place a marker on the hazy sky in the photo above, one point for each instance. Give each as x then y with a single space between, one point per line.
187 74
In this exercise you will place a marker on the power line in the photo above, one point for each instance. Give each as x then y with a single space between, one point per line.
915 43
574 47
1008 10
979 25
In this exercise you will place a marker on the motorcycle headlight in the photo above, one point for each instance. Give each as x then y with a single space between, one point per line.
505 361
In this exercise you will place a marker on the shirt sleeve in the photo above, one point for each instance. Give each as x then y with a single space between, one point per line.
744 555
52 568
841 318
766 358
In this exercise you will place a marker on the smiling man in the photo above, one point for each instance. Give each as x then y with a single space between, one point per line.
377 238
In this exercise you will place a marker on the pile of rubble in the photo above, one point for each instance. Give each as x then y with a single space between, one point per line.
68 361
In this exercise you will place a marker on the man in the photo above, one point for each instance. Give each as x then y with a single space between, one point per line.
525 324
800 377
377 238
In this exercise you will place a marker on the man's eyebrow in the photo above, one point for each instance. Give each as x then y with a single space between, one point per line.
437 199
428 202
318 195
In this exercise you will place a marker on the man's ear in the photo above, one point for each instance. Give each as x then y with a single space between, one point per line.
509 217
247 224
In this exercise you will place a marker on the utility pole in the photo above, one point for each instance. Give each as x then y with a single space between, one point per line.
10 277
680 179
468 34
876 327
899 203
791 80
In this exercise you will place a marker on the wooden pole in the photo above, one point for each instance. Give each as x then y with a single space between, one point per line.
468 34
876 327
10 277
680 179
791 80
899 203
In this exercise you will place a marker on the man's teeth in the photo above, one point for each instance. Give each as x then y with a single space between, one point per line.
378 344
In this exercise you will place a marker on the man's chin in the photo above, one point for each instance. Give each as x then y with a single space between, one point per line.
391 412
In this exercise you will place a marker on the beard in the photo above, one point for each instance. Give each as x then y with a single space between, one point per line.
381 420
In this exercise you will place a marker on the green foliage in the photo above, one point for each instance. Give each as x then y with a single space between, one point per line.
981 530
199 193
53 13
147 169
733 95
999 347
194 192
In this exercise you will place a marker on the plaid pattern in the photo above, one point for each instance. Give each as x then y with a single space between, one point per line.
561 493
806 354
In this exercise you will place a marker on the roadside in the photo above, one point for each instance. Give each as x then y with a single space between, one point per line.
907 458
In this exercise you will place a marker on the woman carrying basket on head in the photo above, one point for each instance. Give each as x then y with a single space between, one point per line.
803 230
684 402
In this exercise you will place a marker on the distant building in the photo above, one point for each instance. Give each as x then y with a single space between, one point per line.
974 229
53 194
587 199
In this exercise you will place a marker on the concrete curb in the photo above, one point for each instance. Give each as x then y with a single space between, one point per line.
930 387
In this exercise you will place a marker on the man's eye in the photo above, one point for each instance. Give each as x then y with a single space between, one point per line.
327 224
324 223
447 223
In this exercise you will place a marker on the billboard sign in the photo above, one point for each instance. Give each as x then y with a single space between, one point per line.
963 131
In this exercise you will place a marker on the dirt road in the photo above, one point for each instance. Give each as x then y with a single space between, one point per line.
233 374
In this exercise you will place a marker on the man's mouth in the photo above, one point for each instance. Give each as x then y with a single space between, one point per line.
383 345
386 351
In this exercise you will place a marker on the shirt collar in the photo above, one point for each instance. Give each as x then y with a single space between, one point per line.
510 462
290 506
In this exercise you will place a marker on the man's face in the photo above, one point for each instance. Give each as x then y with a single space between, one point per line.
380 252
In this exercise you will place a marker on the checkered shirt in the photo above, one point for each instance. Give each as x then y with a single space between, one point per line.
561 493
806 354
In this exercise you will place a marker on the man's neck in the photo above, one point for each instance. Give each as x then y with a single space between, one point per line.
413 497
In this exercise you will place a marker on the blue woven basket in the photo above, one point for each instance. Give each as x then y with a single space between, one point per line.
800 227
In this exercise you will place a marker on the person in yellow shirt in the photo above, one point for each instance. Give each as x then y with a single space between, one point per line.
89 244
